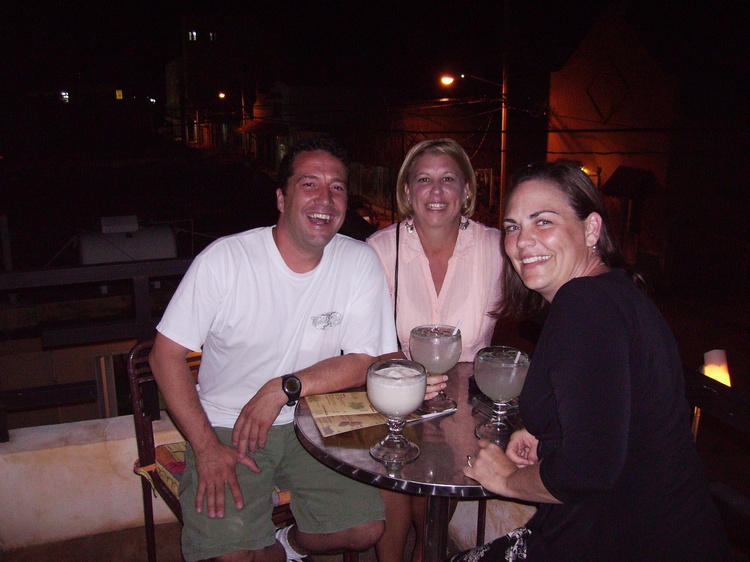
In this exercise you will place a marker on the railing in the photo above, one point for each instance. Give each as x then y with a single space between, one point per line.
138 273
139 325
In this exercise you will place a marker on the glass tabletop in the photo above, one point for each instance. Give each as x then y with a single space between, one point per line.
444 443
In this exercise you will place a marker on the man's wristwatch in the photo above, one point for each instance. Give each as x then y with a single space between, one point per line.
292 387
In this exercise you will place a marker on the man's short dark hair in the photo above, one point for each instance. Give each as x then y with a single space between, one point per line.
324 143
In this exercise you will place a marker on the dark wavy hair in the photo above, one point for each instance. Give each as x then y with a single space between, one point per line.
324 142
517 300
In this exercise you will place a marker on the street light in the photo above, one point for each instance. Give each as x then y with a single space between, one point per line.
448 80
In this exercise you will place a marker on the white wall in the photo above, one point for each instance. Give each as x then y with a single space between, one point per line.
75 479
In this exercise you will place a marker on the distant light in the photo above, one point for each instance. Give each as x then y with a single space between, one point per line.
222 95
152 100
447 80
65 96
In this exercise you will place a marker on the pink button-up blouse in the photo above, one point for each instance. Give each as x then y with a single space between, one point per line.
470 290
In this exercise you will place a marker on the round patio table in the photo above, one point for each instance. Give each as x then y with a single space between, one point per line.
444 443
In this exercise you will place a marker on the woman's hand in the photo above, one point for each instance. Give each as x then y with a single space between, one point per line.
495 470
522 448
434 385
491 467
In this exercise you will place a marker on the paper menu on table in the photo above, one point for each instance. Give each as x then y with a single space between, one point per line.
340 404
346 411
343 411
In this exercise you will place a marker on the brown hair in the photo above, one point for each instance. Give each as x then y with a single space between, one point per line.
519 301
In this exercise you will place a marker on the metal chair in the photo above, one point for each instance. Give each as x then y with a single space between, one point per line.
732 408
160 468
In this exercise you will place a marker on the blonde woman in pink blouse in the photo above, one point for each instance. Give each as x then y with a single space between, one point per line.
444 269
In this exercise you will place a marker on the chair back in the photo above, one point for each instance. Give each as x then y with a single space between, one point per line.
722 402
732 408
144 397
146 409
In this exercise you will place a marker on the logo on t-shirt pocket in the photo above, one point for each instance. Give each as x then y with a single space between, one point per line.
327 320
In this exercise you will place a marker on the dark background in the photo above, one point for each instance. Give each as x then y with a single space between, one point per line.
60 174
396 46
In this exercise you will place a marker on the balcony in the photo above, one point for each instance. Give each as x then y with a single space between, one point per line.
66 332
65 432
73 462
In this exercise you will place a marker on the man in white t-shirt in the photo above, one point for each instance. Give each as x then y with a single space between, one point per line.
279 312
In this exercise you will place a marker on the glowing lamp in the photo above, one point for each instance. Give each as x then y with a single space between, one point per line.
715 366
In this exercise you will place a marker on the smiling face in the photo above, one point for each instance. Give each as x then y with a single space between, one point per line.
546 242
314 206
436 188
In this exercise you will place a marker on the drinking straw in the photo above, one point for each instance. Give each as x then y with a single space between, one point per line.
458 325
518 357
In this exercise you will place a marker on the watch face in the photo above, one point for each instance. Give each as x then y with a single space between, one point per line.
292 385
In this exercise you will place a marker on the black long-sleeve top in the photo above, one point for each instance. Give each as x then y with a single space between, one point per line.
605 397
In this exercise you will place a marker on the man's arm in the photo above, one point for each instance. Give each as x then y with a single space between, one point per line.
335 373
329 375
215 462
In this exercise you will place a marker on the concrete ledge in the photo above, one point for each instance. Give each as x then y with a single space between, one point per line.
73 480
76 479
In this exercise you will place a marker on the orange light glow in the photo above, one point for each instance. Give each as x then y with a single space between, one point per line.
447 80
715 366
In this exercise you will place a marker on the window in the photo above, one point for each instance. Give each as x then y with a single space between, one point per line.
192 35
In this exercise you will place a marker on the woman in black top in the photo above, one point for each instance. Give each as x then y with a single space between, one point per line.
606 451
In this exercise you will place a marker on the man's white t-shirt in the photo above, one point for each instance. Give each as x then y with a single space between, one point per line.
255 319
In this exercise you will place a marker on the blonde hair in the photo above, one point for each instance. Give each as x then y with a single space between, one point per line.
450 148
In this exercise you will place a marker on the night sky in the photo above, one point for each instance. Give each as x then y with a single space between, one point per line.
395 45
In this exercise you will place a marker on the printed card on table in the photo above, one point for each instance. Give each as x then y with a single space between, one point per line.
340 412
343 411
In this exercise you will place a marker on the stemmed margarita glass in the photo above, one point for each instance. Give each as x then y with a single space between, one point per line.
395 388
438 348
499 372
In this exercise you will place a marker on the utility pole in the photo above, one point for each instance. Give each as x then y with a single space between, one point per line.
504 116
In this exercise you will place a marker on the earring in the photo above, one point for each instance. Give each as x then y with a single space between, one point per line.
464 224
409 227
594 249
